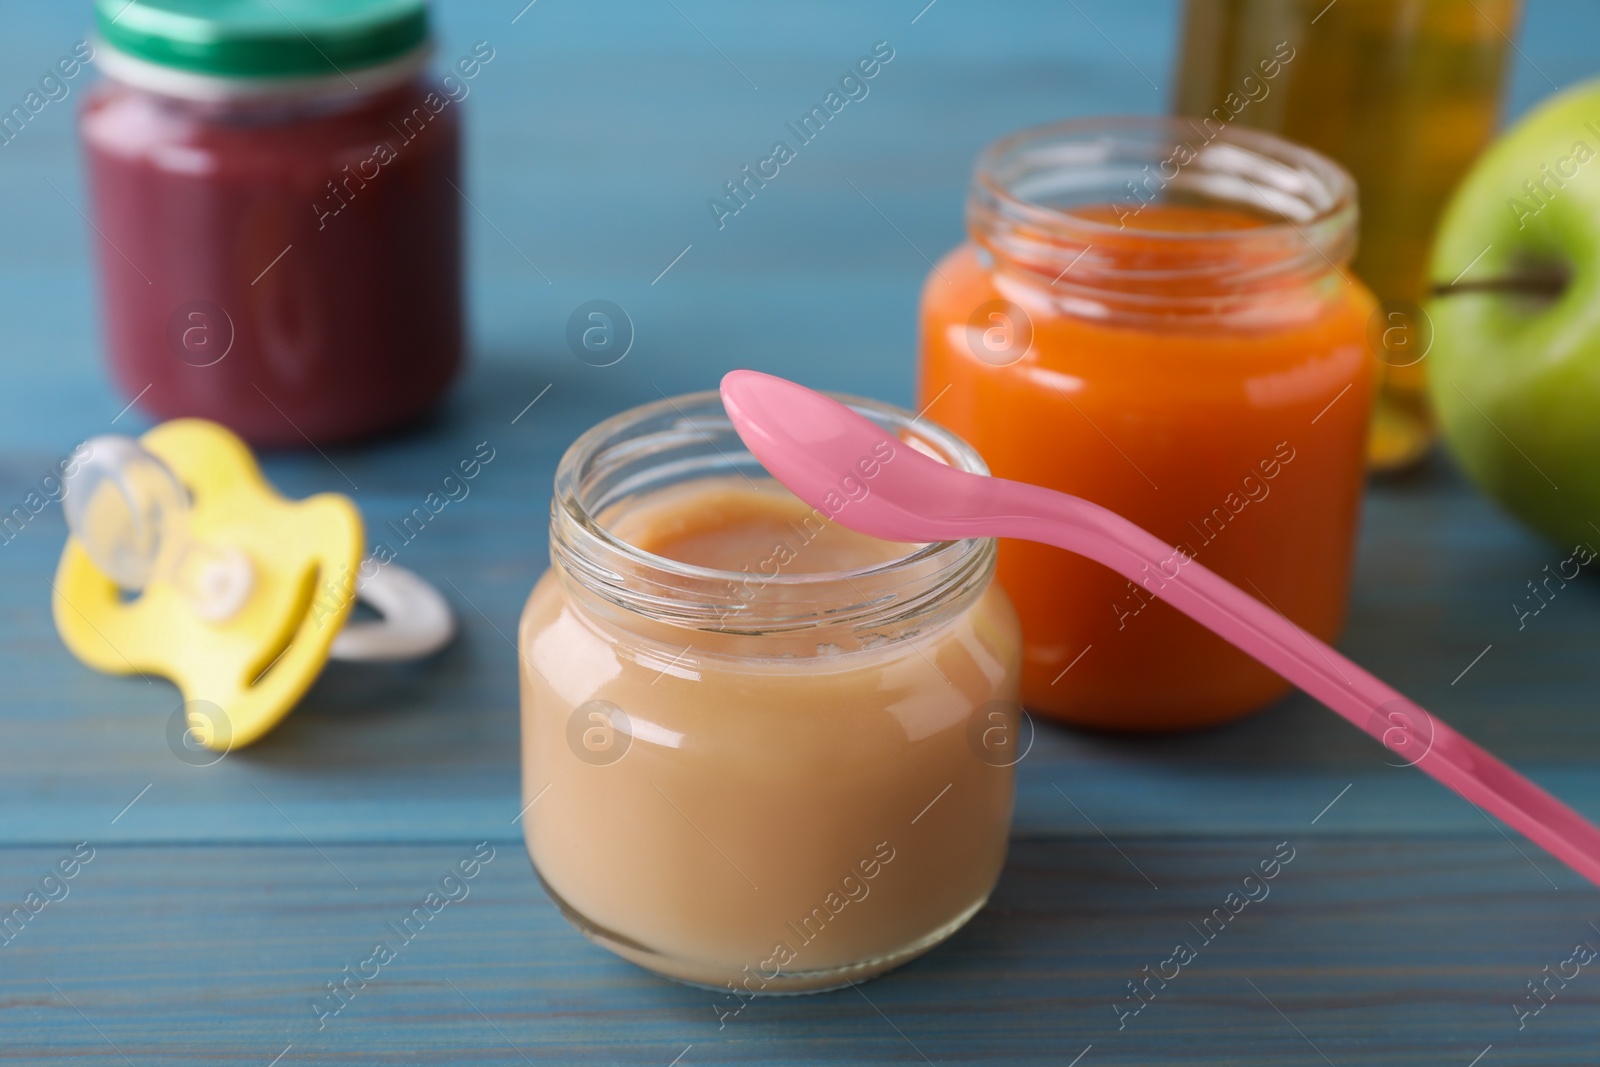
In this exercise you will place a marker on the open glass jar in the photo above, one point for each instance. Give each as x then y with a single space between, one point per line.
1157 315
273 183
760 752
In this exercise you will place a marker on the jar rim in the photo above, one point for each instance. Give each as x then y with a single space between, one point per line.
1305 201
628 453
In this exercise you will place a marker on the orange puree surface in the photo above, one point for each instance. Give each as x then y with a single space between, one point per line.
1173 218
1232 427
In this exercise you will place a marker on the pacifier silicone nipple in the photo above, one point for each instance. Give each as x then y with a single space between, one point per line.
131 514
185 562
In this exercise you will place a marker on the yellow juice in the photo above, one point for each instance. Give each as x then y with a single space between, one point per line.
1405 94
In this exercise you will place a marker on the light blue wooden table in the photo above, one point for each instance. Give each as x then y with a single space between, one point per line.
220 900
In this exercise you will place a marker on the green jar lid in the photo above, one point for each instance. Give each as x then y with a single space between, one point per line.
263 38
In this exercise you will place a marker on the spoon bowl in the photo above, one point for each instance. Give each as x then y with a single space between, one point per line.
835 460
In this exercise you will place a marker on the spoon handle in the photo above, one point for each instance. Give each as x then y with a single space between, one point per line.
1036 514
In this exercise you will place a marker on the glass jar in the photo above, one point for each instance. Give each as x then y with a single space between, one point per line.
279 235
772 774
1161 322
1405 93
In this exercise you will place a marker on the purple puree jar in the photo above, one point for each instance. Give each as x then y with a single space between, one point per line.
273 182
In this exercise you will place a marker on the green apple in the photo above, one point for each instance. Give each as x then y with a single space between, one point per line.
1515 373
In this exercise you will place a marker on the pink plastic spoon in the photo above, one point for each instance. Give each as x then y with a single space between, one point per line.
827 454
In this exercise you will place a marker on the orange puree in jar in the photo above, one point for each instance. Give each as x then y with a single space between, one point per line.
1184 347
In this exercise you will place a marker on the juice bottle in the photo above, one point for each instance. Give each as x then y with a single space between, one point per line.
1405 94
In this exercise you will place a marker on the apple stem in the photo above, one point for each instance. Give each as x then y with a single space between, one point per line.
1550 285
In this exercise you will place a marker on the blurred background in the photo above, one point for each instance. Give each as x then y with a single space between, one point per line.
595 137
593 141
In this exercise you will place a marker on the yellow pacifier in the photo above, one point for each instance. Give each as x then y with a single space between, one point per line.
184 562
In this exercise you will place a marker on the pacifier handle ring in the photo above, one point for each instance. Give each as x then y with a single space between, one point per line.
416 619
